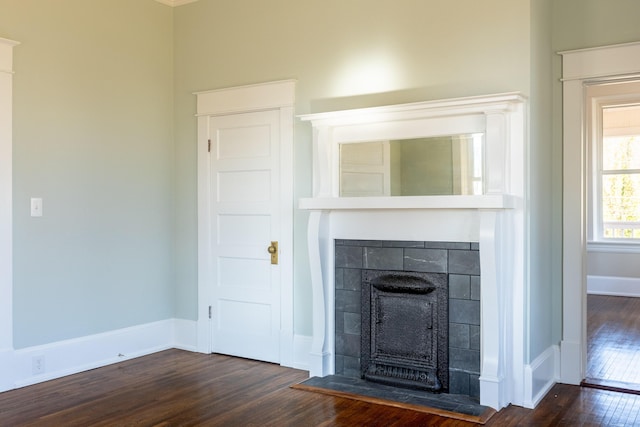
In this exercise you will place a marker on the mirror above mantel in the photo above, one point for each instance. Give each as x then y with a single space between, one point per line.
431 166
455 148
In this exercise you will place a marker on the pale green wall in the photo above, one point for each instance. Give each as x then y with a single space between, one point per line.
93 138
544 320
428 49
588 23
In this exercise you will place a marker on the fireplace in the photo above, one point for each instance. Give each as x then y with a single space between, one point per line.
486 347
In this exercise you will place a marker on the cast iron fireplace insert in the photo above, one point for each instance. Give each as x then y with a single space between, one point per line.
404 336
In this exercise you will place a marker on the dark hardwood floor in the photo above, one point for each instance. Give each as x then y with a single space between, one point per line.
613 337
179 388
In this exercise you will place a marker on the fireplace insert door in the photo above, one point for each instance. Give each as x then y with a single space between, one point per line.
405 329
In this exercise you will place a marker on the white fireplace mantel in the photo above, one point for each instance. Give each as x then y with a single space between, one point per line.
497 220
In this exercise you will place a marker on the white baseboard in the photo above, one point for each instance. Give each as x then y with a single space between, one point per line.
540 376
616 286
301 352
68 357
6 371
185 334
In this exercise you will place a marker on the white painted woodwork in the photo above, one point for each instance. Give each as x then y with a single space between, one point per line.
6 209
245 212
236 195
497 220
580 67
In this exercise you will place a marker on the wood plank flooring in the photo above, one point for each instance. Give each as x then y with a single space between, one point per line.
179 388
613 337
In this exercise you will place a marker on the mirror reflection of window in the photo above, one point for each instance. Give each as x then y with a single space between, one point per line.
445 165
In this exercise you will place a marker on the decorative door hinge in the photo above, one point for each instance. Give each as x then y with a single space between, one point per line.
210 312
209 146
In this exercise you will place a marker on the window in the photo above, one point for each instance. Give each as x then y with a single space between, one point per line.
620 172
615 162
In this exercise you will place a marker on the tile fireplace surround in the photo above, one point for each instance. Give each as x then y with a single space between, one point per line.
459 261
495 220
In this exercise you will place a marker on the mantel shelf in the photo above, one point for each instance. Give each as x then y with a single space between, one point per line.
494 201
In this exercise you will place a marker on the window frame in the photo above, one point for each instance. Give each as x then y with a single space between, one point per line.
599 96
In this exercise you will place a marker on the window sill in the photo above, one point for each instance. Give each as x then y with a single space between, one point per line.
614 246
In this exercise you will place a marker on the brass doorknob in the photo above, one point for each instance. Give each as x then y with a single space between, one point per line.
273 250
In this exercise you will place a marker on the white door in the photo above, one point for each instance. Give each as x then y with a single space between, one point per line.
244 164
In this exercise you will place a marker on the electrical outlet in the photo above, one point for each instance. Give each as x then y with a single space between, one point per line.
37 365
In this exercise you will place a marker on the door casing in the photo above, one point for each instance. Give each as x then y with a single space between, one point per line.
278 96
579 68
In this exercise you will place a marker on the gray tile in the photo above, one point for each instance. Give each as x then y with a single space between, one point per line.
464 262
339 278
474 386
464 311
458 335
475 288
348 345
363 243
347 301
349 256
339 364
474 337
475 246
447 245
402 244
352 279
464 360
459 286
339 322
425 260
352 323
351 366
459 382
383 258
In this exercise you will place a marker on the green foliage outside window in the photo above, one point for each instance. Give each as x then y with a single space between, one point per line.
621 187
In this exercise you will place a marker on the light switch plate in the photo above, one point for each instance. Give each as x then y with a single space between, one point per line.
36 206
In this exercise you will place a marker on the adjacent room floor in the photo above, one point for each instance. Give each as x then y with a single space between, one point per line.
613 337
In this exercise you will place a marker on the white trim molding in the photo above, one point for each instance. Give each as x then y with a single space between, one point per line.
278 95
579 68
6 208
541 375
36 364
614 286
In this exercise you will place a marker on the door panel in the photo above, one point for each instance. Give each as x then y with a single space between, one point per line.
245 208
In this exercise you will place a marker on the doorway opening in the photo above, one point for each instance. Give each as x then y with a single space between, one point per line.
613 247
584 69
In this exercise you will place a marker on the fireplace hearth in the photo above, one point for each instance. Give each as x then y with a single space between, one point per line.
404 329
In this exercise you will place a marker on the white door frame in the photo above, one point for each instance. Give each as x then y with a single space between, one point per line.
581 67
280 96
6 212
